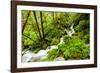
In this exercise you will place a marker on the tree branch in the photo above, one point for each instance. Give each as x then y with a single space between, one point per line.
28 37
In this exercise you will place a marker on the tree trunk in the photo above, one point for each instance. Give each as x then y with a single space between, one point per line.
53 15
38 28
37 25
26 21
42 25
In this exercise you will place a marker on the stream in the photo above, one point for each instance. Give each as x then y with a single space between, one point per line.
35 57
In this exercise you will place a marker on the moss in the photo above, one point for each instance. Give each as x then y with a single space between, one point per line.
55 41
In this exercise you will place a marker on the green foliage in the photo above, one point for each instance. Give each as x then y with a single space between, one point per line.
73 49
55 41
52 27
53 54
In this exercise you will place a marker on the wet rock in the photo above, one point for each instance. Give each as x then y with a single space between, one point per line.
60 59
27 56
30 56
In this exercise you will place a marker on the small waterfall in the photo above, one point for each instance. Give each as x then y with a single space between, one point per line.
52 47
61 40
31 57
27 56
71 32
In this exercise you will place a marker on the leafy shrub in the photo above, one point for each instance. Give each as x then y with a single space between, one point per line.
74 48
53 54
55 25
55 41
